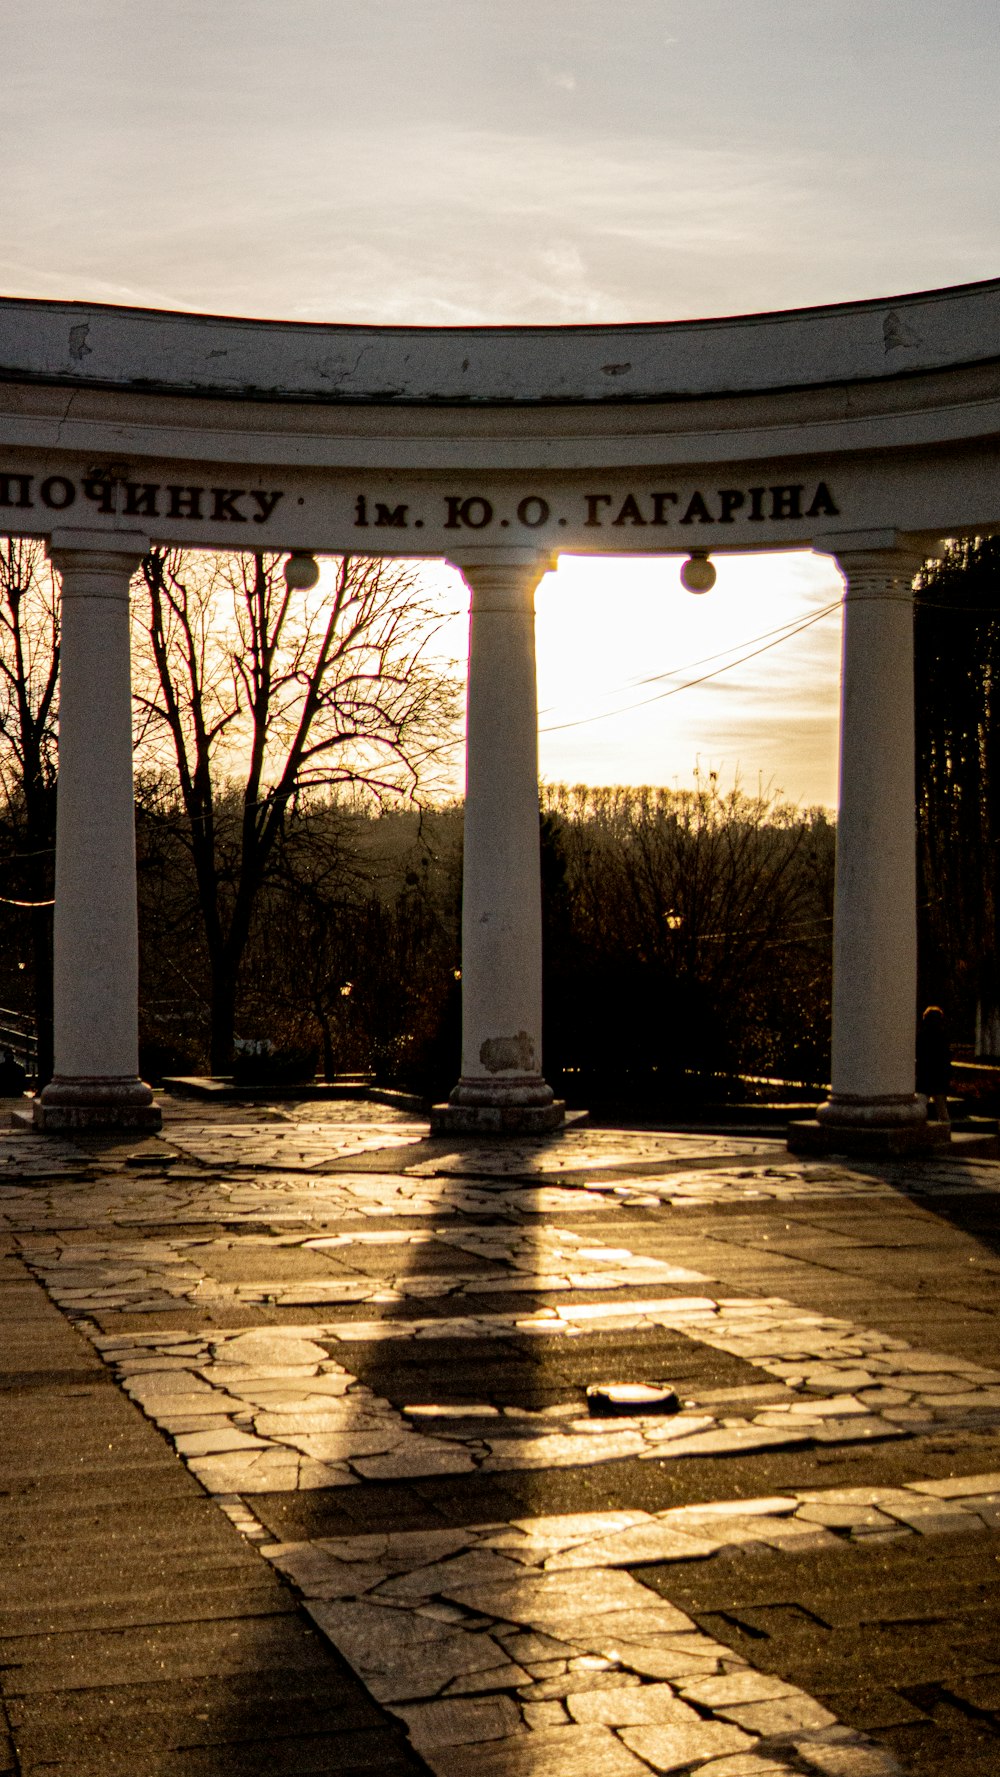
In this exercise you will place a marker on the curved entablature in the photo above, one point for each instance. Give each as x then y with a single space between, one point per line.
91 345
766 431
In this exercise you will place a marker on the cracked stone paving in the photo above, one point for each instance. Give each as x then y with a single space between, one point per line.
371 1349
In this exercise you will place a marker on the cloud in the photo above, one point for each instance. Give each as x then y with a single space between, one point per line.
446 224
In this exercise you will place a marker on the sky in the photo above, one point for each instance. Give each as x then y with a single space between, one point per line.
436 161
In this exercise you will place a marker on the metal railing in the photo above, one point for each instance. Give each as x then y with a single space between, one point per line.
19 1038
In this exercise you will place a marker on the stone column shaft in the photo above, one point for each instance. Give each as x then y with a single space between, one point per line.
96 1079
875 917
501 1085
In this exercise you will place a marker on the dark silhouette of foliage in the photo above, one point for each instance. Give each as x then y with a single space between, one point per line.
353 948
687 935
29 667
957 653
687 940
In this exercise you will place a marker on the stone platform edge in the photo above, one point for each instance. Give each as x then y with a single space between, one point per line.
223 1090
905 1141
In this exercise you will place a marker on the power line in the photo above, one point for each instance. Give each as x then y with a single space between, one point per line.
780 630
626 709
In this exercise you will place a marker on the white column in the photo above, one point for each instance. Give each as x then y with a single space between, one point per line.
875 914
501 1087
96 1079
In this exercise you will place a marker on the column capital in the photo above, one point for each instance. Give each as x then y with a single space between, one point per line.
888 554
97 553
502 579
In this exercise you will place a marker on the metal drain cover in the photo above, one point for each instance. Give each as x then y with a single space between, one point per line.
608 1400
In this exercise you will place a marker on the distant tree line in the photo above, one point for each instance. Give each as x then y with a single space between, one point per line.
687 939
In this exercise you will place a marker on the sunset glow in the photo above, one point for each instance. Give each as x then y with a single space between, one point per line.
511 163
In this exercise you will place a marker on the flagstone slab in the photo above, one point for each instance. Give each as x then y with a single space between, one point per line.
651 1541
570 1598
461 1722
673 1748
560 1752
631 1706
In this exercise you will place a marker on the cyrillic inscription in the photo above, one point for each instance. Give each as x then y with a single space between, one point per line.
110 492
148 499
777 502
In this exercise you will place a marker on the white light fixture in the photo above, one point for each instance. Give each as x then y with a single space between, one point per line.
302 571
698 573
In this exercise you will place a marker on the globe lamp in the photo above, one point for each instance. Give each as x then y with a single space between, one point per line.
302 571
698 573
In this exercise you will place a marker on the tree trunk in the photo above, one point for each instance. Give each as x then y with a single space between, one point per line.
329 1065
223 1017
987 1030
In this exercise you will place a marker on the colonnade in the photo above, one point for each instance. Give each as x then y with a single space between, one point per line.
502 1086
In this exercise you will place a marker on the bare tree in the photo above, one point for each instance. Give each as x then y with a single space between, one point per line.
264 695
29 671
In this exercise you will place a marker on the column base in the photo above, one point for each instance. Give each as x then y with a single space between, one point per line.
523 1106
852 1111
868 1140
847 1123
487 1119
83 1103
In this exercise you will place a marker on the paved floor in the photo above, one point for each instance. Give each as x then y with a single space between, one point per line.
298 1473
